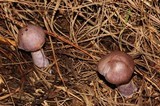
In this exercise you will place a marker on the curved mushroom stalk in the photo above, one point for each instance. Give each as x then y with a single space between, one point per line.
40 59
128 89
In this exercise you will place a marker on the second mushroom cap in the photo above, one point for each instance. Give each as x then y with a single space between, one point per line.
117 67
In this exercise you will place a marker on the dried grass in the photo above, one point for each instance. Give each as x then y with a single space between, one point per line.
79 33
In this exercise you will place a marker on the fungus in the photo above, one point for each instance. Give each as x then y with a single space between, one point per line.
31 38
117 68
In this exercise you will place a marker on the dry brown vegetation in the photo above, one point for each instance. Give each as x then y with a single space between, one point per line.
79 33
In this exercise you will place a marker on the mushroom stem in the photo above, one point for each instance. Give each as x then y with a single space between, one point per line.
40 59
128 89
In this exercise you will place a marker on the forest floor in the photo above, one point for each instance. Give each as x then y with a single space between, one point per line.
78 34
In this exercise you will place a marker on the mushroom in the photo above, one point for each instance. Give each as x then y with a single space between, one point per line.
31 38
117 68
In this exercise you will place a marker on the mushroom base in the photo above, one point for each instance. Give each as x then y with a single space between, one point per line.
128 89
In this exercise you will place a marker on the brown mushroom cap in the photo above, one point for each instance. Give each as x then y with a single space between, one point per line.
31 38
117 67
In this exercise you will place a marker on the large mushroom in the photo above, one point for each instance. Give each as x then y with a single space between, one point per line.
31 38
117 68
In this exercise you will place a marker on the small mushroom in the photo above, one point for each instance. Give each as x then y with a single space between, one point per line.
117 67
31 38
